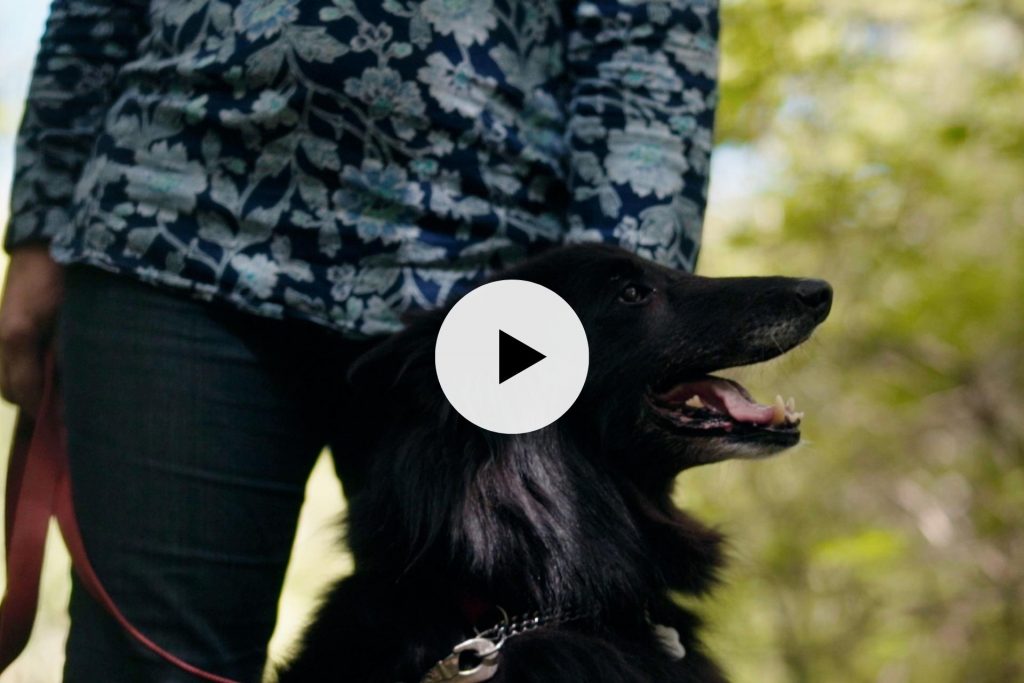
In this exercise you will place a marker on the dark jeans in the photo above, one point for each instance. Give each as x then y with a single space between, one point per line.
192 429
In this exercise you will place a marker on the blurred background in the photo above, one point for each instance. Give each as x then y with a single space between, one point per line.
879 144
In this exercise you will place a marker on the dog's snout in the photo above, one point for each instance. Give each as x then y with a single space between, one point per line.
815 295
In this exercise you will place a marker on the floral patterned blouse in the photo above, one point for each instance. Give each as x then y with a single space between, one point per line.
343 161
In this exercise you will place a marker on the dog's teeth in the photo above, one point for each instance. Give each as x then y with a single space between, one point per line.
695 402
778 411
791 405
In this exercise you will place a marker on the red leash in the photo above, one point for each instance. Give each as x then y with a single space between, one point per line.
38 487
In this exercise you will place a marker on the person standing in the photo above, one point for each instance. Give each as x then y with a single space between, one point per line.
219 204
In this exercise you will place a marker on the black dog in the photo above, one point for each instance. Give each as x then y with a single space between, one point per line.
454 528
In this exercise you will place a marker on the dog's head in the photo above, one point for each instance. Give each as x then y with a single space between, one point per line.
655 337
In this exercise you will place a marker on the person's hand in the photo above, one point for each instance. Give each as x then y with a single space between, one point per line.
28 312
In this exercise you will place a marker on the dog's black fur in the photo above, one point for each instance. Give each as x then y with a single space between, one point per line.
577 515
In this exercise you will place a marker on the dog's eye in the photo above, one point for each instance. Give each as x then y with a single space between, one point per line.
634 293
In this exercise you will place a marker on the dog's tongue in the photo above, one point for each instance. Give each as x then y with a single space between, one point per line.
725 396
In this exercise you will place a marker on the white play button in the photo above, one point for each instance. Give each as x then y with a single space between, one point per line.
511 356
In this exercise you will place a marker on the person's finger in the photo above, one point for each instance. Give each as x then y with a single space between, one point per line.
10 346
22 373
27 383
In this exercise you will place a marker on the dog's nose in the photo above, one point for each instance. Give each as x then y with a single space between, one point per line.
815 295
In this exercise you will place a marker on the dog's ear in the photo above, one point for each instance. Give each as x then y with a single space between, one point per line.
383 367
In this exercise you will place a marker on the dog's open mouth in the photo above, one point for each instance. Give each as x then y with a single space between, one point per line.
719 405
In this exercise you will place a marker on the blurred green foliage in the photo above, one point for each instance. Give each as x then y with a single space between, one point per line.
888 138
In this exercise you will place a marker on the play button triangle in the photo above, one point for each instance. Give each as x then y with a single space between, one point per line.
514 356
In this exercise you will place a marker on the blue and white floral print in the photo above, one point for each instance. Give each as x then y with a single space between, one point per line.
264 18
344 161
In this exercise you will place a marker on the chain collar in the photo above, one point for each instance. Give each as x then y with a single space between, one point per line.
476 659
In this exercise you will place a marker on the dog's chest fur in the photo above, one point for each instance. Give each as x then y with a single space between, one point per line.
525 524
